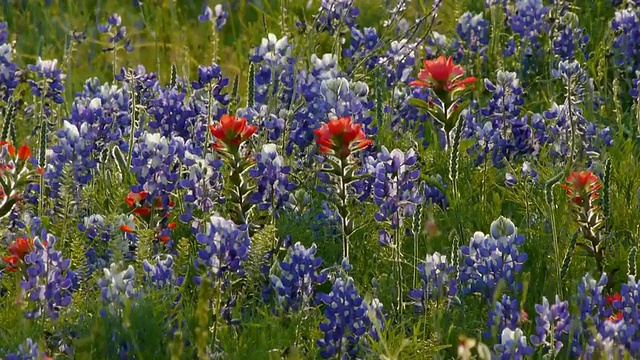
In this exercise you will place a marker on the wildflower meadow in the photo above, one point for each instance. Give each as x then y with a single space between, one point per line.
324 179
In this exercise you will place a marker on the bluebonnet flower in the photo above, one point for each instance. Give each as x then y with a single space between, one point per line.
433 192
49 280
489 259
395 190
154 162
569 38
4 34
75 147
506 135
202 180
274 189
473 31
529 22
144 83
115 32
225 247
347 320
116 285
98 232
570 123
29 350
505 314
172 114
552 325
326 222
438 281
49 80
399 61
362 45
334 14
161 273
9 70
344 98
316 110
593 311
219 18
209 86
626 26
513 345
299 274
438 44
274 72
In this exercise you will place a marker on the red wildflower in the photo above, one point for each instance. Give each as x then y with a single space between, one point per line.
18 250
442 74
616 317
615 297
580 185
341 137
126 228
10 148
21 247
231 132
24 152
135 201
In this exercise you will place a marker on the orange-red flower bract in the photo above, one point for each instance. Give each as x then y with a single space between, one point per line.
580 185
18 250
134 200
442 74
10 148
24 153
231 132
341 137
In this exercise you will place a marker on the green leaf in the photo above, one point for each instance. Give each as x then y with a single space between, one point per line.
419 103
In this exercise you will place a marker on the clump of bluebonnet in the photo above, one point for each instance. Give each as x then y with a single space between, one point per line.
161 273
217 16
29 350
626 25
116 285
438 281
49 81
552 325
298 275
116 33
49 280
513 345
473 31
225 247
274 190
395 189
491 258
347 320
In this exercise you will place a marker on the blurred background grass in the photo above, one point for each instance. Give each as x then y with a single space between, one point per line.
168 31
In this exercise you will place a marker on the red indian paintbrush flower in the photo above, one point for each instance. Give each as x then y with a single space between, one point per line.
136 202
581 185
18 250
24 153
231 132
442 74
341 137
10 148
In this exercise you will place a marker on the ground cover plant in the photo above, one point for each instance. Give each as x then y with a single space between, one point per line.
334 179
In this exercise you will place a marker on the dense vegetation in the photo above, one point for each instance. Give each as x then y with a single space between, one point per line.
337 179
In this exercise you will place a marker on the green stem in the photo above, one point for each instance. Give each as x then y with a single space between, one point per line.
344 211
